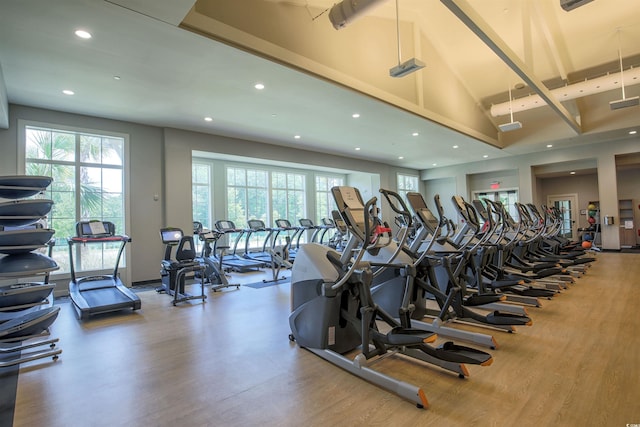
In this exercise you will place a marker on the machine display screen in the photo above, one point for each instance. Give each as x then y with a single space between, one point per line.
93 228
170 236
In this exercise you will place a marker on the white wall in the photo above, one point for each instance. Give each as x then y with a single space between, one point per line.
179 144
445 188
160 165
601 155
160 174
145 148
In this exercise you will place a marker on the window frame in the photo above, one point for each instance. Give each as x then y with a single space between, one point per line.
210 190
218 196
125 168
401 179
326 195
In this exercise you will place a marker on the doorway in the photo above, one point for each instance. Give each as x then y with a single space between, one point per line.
507 197
567 204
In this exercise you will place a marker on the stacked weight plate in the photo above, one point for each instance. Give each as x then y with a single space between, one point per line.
26 308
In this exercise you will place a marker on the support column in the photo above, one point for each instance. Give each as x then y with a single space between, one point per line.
526 190
608 194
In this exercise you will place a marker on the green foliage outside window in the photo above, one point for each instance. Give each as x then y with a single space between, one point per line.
88 183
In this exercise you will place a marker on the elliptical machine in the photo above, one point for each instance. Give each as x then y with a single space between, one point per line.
333 311
443 276
401 291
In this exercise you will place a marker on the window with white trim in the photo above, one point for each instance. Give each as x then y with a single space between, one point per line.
247 195
88 183
406 184
325 203
201 187
288 196
256 191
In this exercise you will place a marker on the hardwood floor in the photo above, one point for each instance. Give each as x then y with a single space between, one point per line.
228 362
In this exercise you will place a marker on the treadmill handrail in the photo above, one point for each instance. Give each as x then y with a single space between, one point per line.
88 239
124 239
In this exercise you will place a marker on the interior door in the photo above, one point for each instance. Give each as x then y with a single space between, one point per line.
568 206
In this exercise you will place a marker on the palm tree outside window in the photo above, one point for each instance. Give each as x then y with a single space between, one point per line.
88 183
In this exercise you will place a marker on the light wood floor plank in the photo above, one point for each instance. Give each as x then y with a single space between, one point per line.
228 362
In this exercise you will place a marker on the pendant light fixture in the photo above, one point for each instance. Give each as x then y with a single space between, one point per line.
407 67
506 127
624 102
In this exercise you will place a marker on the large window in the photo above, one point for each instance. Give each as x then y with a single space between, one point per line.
247 195
406 184
251 191
287 196
201 193
88 183
324 199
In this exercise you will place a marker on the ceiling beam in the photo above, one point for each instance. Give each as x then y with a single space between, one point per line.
480 28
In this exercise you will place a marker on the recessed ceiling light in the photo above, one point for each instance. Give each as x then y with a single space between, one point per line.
259 86
357 148
549 145
572 173
68 92
116 77
296 136
455 146
83 34
633 132
434 164
485 156
415 134
355 115
400 157
208 119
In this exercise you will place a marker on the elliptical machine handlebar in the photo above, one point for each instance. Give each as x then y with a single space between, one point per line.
394 200
367 235
359 219
398 206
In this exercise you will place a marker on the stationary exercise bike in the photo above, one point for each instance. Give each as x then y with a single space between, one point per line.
174 271
214 273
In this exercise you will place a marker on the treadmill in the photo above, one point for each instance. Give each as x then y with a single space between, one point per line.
263 255
233 260
100 293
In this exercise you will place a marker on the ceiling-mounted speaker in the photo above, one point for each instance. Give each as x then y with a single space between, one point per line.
572 4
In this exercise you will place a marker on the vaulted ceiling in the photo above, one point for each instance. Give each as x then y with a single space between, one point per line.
178 61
